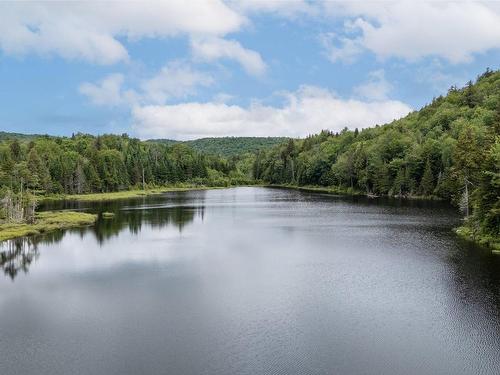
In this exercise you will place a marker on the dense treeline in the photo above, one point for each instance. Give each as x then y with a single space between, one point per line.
84 164
228 146
6 136
449 149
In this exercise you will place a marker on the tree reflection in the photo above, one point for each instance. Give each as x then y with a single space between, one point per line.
17 255
476 277
178 210
134 218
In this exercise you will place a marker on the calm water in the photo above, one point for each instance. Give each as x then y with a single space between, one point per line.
252 281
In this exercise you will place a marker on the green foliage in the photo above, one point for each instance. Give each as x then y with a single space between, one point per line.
227 146
427 183
109 163
20 137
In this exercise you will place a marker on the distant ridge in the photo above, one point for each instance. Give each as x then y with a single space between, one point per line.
21 137
227 146
223 146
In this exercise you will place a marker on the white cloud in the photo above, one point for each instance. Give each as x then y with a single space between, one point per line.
377 87
175 80
89 30
411 30
210 49
308 110
93 31
107 92
288 9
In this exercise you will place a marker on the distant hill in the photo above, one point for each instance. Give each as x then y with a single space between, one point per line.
223 146
21 137
227 146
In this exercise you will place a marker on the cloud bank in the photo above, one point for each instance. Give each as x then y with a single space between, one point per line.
176 80
90 31
211 49
95 32
412 30
307 110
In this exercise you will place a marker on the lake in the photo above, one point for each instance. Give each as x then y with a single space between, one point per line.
251 281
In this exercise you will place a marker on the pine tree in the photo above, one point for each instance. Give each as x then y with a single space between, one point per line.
427 182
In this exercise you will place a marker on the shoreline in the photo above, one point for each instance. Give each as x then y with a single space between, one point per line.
466 233
124 194
348 192
47 221
135 193
9 231
463 232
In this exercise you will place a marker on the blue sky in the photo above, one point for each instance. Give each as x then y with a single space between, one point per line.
215 68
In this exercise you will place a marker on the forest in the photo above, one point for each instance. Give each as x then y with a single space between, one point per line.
450 149
44 166
228 146
84 163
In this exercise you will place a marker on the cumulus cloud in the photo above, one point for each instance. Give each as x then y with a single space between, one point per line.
210 49
308 110
175 80
412 30
94 31
288 9
107 92
90 30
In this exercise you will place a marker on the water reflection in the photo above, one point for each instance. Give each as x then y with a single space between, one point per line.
17 255
176 209
251 281
476 282
134 218
157 212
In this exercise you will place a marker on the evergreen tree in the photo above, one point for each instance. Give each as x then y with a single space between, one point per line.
427 182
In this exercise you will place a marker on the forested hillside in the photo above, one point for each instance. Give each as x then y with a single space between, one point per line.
4 136
449 149
84 163
228 146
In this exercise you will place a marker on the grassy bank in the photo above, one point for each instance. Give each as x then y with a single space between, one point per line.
46 222
98 197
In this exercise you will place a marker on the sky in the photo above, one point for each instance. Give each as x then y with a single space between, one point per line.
185 70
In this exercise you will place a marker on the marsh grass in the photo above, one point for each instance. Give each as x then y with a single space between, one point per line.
99 197
46 222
